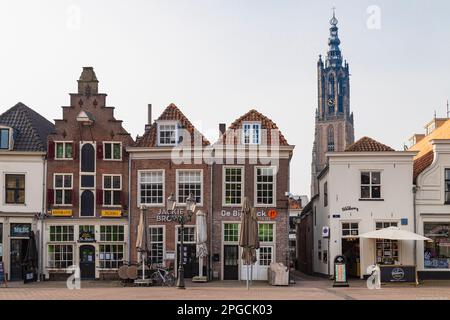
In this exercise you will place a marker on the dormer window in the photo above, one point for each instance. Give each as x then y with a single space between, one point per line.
4 139
167 134
251 133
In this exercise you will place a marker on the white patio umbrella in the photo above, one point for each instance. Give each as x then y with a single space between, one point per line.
201 238
393 233
141 239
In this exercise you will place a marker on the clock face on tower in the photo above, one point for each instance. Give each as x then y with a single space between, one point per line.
330 102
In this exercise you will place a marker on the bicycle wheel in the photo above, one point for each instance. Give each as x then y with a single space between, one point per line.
169 280
156 279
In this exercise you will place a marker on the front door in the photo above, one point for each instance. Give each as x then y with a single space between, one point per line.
230 262
18 252
190 260
350 249
265 256
87 262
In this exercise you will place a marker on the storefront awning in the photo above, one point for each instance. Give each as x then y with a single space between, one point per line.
393 233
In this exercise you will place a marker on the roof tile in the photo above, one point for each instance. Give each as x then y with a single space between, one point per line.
366 144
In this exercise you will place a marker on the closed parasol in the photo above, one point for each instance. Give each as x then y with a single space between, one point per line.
201 238
141 240
248 237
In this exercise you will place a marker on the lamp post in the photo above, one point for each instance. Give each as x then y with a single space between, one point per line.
181 218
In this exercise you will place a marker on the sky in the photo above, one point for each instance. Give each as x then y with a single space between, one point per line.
217 59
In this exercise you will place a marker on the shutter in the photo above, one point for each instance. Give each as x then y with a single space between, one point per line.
100 197
50 198
51 150
74 198
99 150
74 150
123 200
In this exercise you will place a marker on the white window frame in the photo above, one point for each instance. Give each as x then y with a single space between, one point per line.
163 227
10 138
350 229
138 200
201 184
104 233
224 185
122 244
64 150
64 189
158 136
24 204
112 150
111 190
399 243
255 185
370 185
227 242
274 232
251 134
64 244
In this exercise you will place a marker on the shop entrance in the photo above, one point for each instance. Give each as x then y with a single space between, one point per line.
87 262
350 249
190 260
18 251
230 262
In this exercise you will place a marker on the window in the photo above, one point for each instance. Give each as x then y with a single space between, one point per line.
230 232
86 233
15 188
447 186
189 234
167 134
265 186
189 182
63 189
265 231
60 256
112 233
325 194
156 245
64 150
112 151
151 185
371 185
350 230
330 139
265 256
233 186
4 139
87 158
87 207
111 256
112 189
251 133
61 233
387 250
437 252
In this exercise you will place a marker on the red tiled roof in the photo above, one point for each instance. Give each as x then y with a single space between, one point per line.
420 164
266 124
366 144
149 139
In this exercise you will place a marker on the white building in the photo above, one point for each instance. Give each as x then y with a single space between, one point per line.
23 144
432 179
367 187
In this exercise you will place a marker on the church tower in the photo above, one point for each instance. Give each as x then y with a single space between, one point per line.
334 122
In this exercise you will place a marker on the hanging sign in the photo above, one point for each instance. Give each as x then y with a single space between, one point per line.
87 236
111 213
62 212
272 214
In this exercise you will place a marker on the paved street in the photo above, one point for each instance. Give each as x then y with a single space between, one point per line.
306 288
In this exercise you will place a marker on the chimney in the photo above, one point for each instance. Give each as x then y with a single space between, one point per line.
149 117
222 128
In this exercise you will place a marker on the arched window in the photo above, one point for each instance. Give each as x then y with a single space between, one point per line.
88 158
87 204
331 85
330 138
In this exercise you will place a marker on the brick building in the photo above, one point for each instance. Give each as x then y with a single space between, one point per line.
168 159
87 187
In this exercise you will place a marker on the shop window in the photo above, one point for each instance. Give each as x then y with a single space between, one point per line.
233 180
189 234
447 186
4 139
371 185
167 134
87 158
151 185
189 182
387 250
63 233
112 233
112 151
60 256
230 232
265 256
350 230
87 208
15 188
265 231
437 252
64 150
251 133
265 186
63 189
156 254
112 189
111 256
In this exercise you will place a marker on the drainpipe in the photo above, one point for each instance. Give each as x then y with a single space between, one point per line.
211 173
41 220
414 190
129 207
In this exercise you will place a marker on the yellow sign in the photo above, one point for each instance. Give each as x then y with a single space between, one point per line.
62 212
111 213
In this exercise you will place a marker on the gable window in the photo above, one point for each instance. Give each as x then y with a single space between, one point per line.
325 194
112 151
151 187
15 188
447 186
112 189
64 150
265 186
63 189
233 181
189 182
4 139
251 133
371 185
167 134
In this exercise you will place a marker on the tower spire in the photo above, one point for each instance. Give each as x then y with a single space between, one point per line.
334 58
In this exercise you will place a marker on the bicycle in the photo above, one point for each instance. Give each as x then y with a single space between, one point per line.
163 277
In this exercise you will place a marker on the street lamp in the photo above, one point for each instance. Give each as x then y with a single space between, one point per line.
181 218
